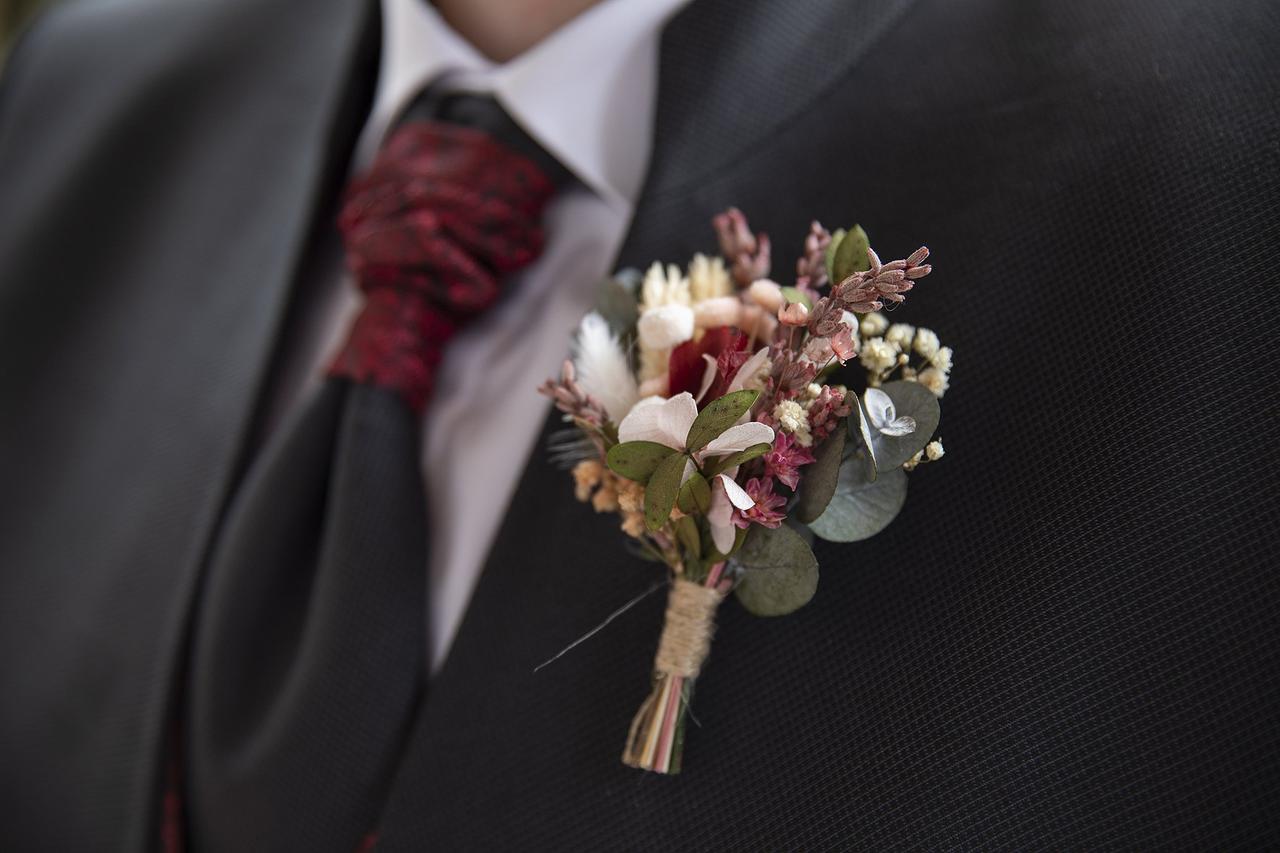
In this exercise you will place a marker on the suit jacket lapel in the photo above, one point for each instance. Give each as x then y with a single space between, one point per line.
220 165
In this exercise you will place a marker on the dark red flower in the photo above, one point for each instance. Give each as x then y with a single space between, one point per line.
687 367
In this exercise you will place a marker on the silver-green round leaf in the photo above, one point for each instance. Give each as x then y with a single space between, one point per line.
914 401
860 508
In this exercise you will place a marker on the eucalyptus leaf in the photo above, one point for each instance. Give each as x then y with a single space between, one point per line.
830 257
616 303
690 538
795 294
742 457
819 481
637 460
660 493
717 417
851 255
860 509
915 401
860 429
780 573
695 496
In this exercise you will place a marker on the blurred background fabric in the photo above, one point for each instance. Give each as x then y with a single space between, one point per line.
13 15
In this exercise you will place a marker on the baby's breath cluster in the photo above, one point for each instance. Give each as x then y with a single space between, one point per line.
902 351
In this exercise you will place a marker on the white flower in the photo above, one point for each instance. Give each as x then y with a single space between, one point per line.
874 324
942 359
900 334
884 417
708 278
717 311
792 418
665 326
878 354
926 343
725 495
668 422
767 294
664 287
935 380
753 373
603 370
934 451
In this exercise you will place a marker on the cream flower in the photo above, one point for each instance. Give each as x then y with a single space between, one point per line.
883 416
942 359
900 334
878 355
792 418
873 325
767 294
663 287
717 311
935 380
934 451
708 279
666 326
926 343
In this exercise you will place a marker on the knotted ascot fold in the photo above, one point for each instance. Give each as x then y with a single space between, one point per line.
309 645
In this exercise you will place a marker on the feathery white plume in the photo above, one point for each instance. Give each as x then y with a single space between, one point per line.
603 369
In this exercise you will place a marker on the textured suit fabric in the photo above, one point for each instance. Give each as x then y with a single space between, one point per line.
1067 639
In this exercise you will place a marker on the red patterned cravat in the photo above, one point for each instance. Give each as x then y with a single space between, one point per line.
430 230
309 649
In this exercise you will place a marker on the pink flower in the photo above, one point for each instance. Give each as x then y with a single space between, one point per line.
767 509
786 459
793 314
828 412
843 343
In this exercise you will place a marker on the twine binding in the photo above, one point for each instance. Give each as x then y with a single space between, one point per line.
655 739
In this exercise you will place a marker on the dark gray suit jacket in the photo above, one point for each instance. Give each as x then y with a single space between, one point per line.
1068 638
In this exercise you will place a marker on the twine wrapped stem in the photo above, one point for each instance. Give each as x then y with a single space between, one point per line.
656 738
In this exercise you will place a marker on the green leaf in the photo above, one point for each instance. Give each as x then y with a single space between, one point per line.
851 255
660 492
637 460
860 509
831 254
690 538
914 400
780 573
742 457
717 417
616 302
819 481
695 496
795 294
860 429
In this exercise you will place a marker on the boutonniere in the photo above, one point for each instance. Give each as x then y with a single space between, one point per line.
728 420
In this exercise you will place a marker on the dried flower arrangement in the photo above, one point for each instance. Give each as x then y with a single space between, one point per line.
707 413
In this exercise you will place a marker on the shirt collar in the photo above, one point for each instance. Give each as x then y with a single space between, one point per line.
585 93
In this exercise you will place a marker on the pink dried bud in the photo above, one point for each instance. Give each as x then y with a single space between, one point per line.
793 314
843 343
747 254
918 256
811 268
919 272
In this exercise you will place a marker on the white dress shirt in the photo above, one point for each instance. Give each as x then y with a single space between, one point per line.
586 94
